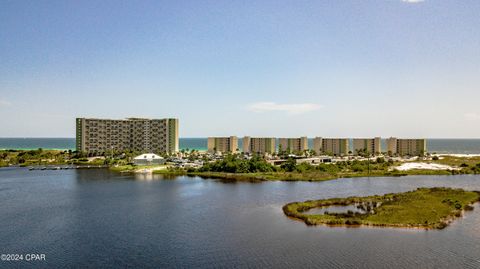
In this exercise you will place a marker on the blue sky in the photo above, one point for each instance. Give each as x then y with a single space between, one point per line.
261 68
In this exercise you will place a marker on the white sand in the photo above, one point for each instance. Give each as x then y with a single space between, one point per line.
460 155
425 166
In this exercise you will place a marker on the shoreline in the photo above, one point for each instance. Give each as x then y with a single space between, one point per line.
305 177
247 177
444 165
423 208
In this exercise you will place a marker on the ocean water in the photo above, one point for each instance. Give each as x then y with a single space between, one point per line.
458 146
99 219
69 143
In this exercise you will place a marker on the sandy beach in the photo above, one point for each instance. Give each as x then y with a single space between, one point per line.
424 166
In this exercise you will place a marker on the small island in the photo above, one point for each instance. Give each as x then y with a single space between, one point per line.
425 208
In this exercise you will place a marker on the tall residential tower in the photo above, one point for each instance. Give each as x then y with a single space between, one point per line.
133 134
293 145
259 145
333 146
370 146
404 147
222 144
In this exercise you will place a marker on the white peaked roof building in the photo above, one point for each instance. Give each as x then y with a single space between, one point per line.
148 158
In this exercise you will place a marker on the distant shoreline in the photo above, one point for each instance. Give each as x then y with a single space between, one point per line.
434 145
73 149
455 154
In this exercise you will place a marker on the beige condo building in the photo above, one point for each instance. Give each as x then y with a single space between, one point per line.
371 146
391 145
404 147
222 144
317 145
291 145
335 146
133 134
259 145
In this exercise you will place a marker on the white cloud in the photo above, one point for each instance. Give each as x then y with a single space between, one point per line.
289 108
472 116
4 103
412 1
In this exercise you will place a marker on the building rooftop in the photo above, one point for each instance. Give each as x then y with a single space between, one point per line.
148 157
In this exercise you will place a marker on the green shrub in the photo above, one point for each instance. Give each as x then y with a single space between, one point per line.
234 164
357 168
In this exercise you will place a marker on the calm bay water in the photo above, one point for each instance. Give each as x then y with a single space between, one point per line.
459 146
95 218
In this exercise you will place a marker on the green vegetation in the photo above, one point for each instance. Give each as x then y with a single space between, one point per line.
133 168
425 208
123 168
457 161
234 167
235 164
265 176
56 157
33 157
468 165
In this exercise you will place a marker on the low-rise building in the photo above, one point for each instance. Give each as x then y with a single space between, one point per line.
406 147
222 144
148 159
315 160
259 145
292 145
367 146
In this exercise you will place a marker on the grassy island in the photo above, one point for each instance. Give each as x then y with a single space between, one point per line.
426 208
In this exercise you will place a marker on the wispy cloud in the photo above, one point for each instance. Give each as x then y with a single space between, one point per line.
413 1
288 108
4 103
472 116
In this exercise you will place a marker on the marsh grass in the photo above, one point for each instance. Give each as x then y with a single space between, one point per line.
427 208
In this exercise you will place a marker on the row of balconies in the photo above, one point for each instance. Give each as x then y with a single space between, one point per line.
123 140
125 131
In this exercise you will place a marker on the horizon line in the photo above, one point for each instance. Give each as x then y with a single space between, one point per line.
203 137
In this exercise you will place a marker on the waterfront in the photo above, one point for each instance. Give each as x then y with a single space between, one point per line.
96 218
437 145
